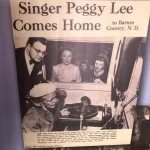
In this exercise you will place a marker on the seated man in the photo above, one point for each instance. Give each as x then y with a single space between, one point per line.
41 117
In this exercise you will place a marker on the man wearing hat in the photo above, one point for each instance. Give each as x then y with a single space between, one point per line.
99 75
41 117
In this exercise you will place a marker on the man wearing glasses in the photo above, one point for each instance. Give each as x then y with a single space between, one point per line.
30 68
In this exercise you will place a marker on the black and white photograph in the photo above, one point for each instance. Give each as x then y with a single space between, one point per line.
78 85
78 61
78 67
46 69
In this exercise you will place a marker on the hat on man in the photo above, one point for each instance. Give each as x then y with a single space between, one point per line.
42 89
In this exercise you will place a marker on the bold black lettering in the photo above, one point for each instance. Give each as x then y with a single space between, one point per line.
66 24
48 26
97 26
29 9
36 10
113 5
87 26
129 9
54 26
122 9
70 5
77 26
22 7
27 27
15 25
38 26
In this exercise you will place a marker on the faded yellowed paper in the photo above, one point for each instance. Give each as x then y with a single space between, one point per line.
105 33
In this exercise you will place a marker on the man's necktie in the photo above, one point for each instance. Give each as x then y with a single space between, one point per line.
31 62
36 74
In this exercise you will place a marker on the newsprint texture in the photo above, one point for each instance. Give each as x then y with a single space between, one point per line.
78 65
140 135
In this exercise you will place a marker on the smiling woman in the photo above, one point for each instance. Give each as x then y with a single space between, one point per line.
99 73
66 71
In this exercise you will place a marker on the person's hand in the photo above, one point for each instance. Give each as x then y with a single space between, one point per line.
62 94
65 112
98 81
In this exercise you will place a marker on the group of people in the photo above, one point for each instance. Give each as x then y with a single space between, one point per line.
67 72
41 102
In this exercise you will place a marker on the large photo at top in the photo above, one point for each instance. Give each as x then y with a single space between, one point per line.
78 61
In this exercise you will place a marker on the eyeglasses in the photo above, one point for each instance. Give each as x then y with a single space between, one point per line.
39 51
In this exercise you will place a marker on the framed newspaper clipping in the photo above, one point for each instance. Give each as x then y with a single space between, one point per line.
78 66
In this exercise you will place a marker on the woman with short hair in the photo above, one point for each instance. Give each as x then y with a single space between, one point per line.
99 74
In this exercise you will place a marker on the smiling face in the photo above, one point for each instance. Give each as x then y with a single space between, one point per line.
99 65
66 57
37 51
50 100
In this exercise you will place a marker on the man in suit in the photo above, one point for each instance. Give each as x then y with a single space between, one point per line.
30 68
